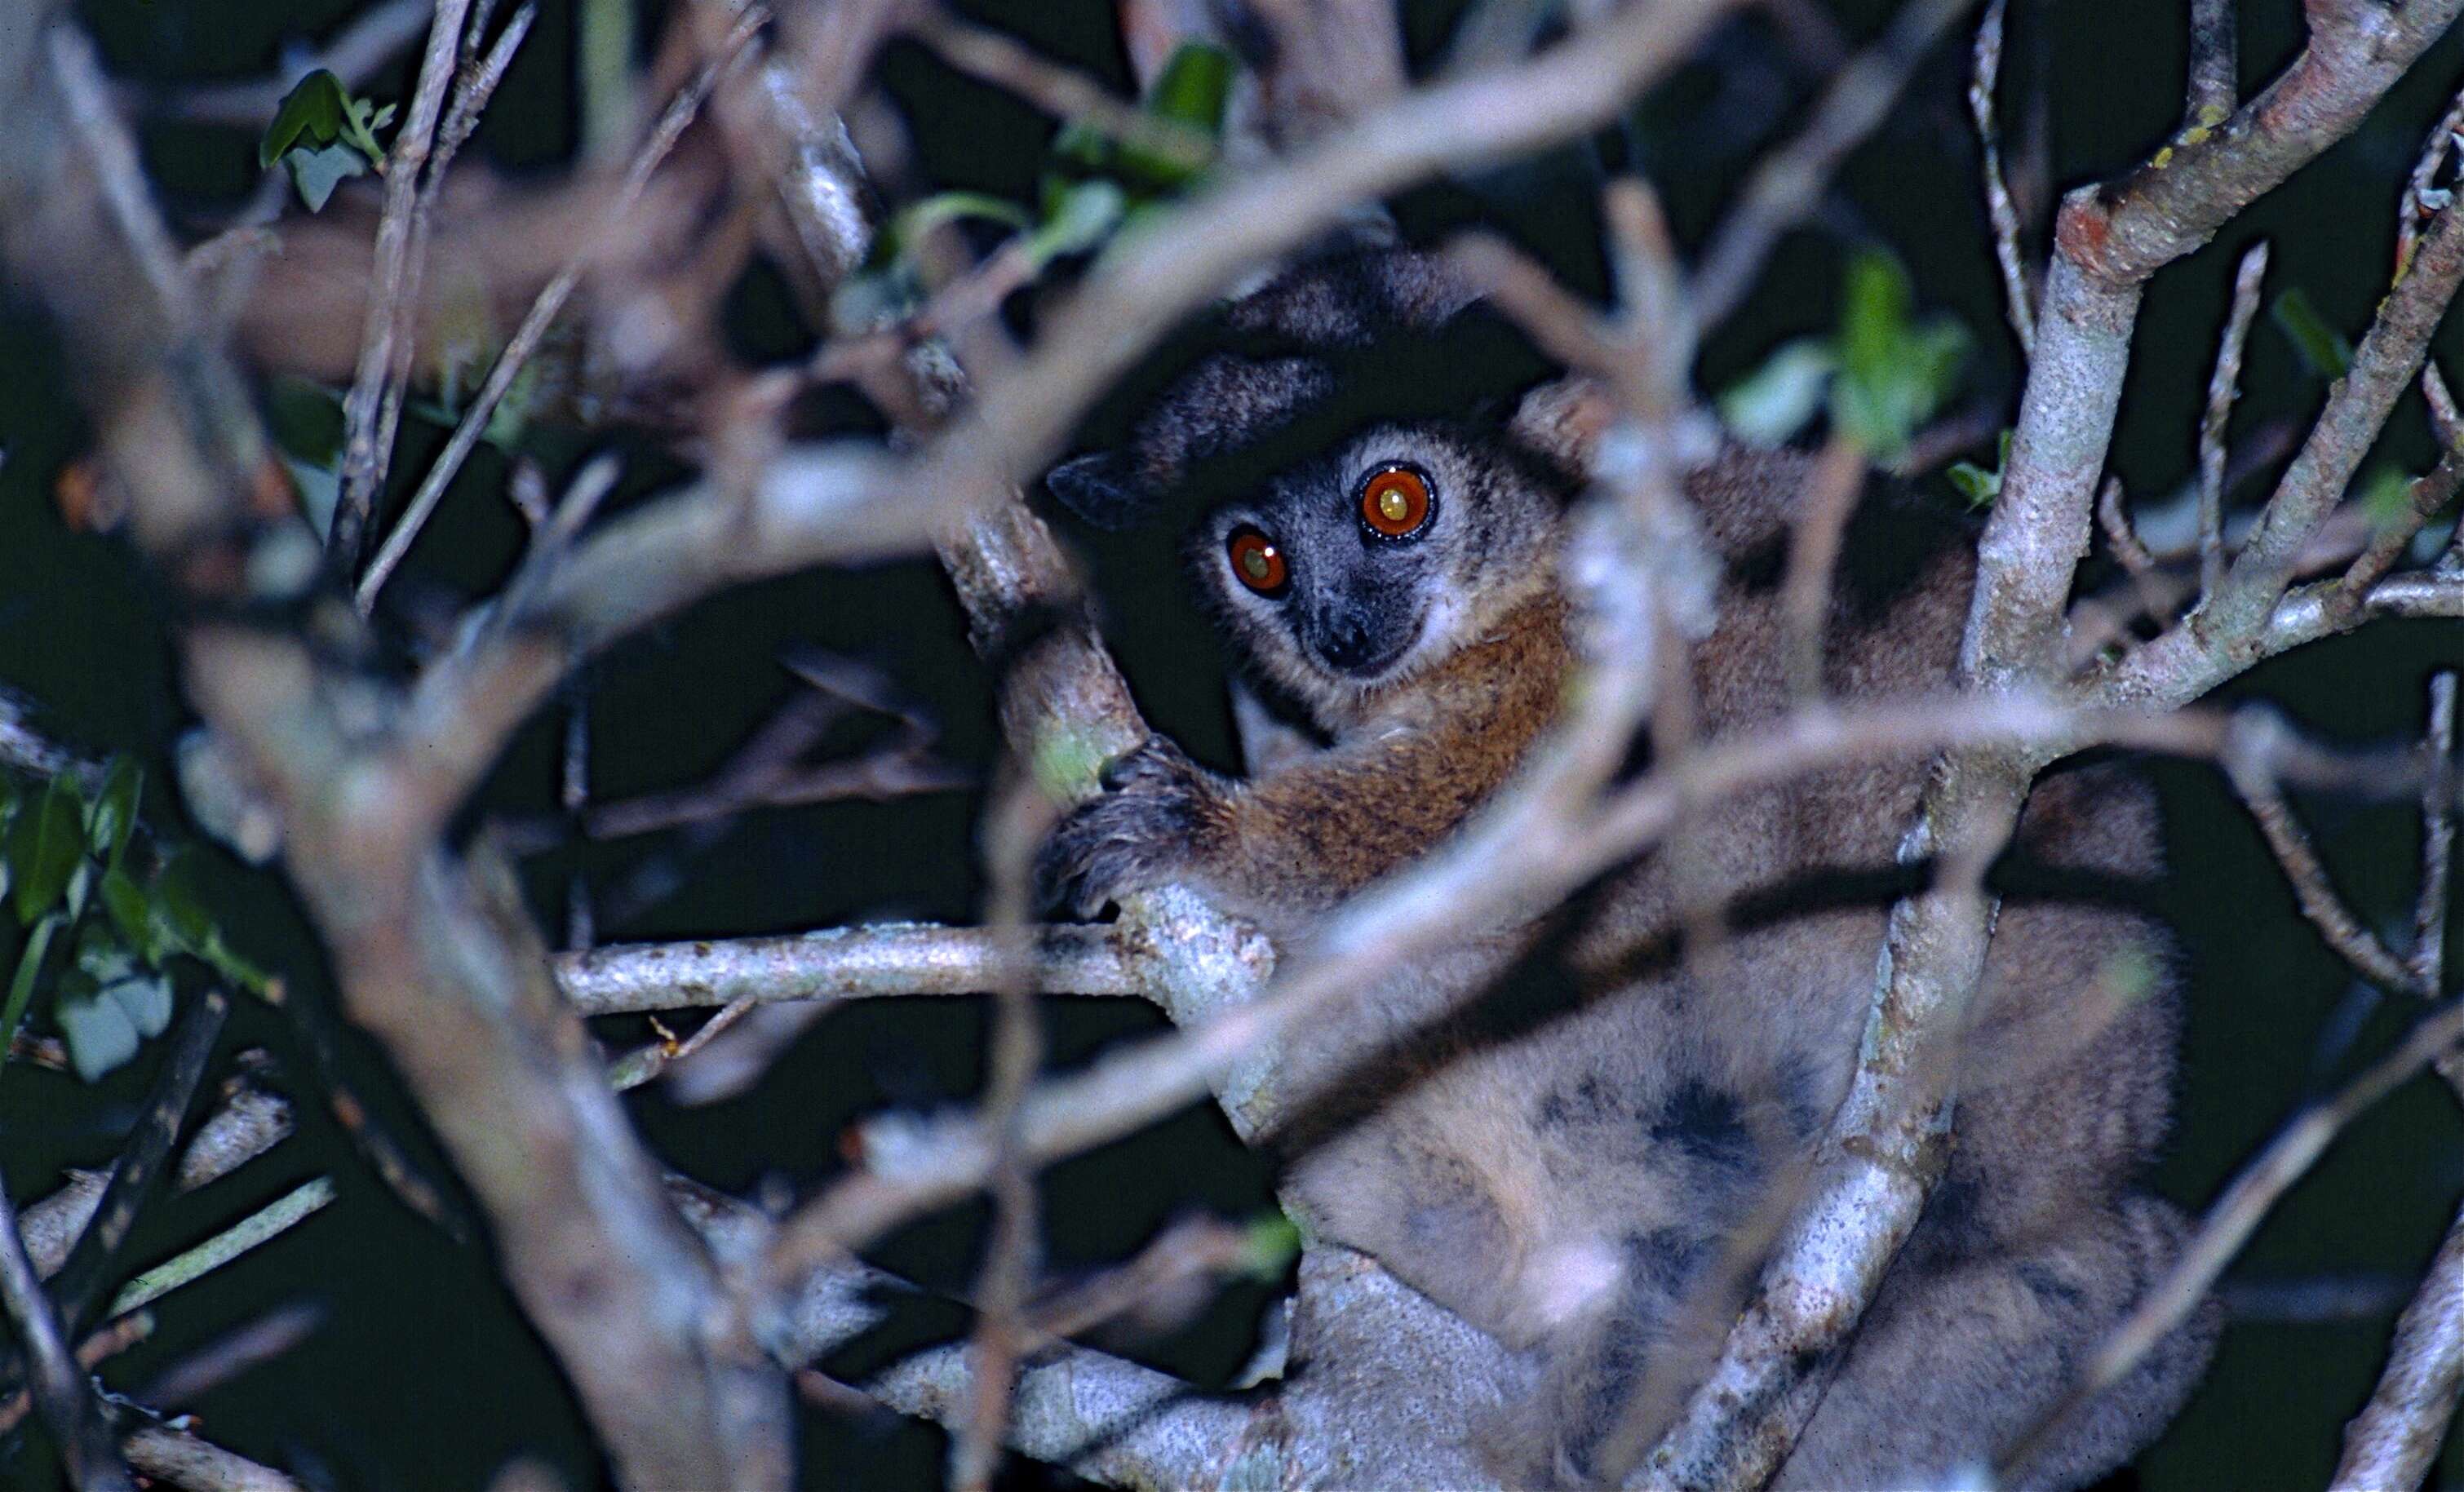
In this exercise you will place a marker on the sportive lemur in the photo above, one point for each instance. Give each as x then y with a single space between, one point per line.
1588 1162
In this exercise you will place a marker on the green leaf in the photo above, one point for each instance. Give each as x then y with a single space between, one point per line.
312 113
100 1035
1194 87
1089 211
317 171
1894 372
1772 403
30 966
133 912
46 843
2324 352
1977 484
175 899
115 811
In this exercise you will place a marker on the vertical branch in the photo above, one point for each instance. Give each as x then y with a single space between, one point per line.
364 461
2019 296
2215 64
2437 836
2224 386
59 1385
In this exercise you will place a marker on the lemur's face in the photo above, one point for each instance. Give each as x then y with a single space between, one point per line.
1369 562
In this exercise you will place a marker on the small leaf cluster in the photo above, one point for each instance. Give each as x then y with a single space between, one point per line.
93 922
1882 374
1093 186
324 137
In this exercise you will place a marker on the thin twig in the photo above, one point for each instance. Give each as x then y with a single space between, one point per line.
640 1066
551 299
2393 1441
2437 836
2391 533
2224 386
475 81
58 1384
2422 198
364 461
1787 184
251 1121
82 1283
2019 296
1828 502
2245 762
257 1227
2114 519
1017 825
184 1460
113 1339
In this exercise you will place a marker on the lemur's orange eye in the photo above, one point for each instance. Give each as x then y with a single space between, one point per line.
1395 501
1256 561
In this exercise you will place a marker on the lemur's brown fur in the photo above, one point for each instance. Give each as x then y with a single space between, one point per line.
1587 1164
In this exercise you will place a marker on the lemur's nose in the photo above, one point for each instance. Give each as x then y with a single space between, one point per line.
1346 643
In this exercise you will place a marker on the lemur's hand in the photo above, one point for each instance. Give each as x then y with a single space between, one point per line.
1158 814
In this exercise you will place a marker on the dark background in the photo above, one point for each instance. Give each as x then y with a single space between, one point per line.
422 1373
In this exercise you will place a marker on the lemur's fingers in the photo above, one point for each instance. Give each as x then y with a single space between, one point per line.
1138 835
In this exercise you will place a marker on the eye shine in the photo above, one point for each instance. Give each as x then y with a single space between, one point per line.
1394 502
1256 560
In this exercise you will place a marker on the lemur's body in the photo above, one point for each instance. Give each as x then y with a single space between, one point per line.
1587 1169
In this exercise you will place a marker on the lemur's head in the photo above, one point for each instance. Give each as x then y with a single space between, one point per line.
1367 508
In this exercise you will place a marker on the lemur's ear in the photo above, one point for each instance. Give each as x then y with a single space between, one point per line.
1103 488
1564 421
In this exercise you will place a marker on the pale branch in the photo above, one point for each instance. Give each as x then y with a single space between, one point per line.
185 1460
388 308
1099 1415
891 958
2245 763
250 1123
1016 823
1788 185
551 298
852 501
2224 386
1886 1145
2239 1212
261 1226
2395 1437
2018 295
1518 855
60 1386
2385 364
2109 239
476 80
90 1269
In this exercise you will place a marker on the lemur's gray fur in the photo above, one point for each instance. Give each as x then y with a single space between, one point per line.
1588 1163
